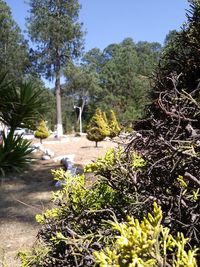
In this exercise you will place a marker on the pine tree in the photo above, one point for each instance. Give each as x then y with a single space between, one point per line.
97 128
182 54
54 28
14 58
42 131
114 125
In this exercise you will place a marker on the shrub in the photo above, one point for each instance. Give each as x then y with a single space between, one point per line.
41 131
146 243
97 128
119 170
75 226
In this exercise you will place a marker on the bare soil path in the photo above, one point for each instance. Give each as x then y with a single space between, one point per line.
24 195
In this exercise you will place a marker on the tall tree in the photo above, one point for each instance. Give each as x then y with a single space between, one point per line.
14 57
54 27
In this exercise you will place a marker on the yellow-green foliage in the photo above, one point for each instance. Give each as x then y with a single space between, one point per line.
97 128
41 131
192 194
105 118
75 195
34 258
104 163
114 125
112 157
145 244
137 162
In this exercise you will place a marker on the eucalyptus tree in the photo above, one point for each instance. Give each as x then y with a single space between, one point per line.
54 28
82 86
14 57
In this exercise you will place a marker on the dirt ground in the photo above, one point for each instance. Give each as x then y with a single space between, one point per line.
24 195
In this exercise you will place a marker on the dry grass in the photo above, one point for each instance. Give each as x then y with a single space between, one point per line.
26 194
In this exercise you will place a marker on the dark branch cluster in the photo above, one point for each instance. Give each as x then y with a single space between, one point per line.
169 140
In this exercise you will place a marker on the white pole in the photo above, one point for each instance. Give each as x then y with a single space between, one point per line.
80 118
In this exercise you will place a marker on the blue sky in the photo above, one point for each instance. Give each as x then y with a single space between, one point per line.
110 21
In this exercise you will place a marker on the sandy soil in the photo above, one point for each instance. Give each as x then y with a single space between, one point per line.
24 195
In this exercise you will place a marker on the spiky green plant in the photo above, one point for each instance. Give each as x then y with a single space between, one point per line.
15 153
20 105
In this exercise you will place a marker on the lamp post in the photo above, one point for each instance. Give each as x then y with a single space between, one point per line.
80 119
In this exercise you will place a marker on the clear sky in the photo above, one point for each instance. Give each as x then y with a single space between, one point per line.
110 21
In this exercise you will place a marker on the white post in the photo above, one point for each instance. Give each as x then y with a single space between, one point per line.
80 118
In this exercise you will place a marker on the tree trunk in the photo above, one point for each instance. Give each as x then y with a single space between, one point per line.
96 144
58 99
82 108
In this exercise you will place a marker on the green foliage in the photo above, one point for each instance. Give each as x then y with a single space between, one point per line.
107 164
146 243
14 153
41 131
97 128
181 53
54 27
20 106
113 125
14 57
104 163
76 225
36 258
121 73
124 78
82 87
190 193
76 197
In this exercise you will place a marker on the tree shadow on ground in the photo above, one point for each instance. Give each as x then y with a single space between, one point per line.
26 194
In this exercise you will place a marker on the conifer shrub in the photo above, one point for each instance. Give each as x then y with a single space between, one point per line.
146 243
97 128
42 131
113 125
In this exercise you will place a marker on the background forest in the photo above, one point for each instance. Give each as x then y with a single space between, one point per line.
116 78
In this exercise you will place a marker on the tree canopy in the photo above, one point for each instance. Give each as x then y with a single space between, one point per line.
14 57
